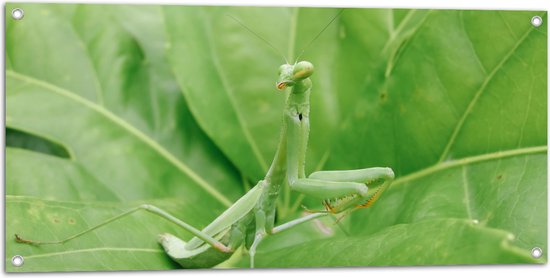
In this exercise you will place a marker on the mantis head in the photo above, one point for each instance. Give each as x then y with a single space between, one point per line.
290 74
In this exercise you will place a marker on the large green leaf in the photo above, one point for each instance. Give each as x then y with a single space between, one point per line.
453 101
405 244
455 86
457 102
52 178
98 86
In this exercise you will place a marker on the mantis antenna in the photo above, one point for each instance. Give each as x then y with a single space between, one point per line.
257 35
276 49
319 34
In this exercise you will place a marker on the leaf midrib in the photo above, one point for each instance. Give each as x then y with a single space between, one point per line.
468 160
125 125
479 92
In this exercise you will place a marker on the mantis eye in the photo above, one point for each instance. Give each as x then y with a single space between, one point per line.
302 70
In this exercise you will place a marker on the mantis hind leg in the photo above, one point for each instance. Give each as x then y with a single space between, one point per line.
204 256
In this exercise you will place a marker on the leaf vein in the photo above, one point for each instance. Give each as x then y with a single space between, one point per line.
478 94
468 160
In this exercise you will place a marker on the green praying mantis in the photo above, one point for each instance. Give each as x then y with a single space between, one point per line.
252 218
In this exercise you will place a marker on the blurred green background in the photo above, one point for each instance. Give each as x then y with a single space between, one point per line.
111 106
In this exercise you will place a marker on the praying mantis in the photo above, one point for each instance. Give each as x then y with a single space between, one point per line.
252 217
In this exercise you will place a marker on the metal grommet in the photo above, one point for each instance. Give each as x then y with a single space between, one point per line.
17 14
536 252
536 21
17 260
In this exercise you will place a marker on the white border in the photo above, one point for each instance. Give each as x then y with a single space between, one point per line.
438 271
418 4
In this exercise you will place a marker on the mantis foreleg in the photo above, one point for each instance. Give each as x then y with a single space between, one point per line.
340 190
347 188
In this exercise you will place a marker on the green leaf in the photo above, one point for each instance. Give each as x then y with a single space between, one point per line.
460 120
104 93
135 117
51 178
498 191
127 244
405 244
456 86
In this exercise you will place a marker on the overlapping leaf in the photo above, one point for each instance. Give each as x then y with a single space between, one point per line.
99 86
405 244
